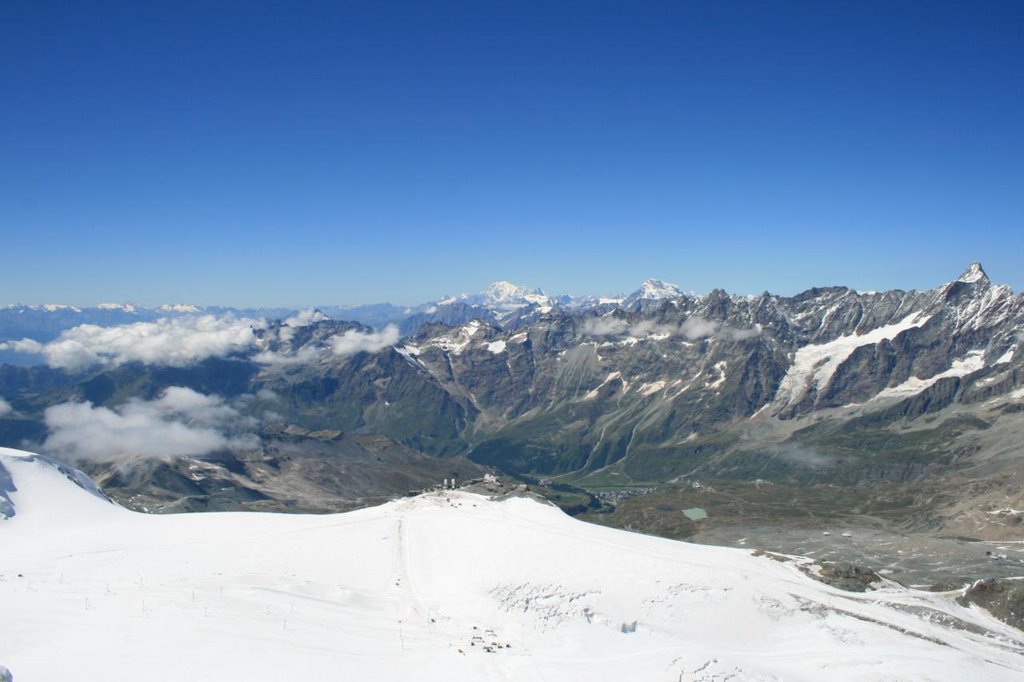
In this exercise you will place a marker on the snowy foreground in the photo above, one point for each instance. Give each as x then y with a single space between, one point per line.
445 586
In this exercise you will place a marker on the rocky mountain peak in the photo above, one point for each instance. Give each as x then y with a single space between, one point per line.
973 273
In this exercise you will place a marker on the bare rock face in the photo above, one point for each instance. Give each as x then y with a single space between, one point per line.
1003 598
846 576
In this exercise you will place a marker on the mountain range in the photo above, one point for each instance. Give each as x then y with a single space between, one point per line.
499 301
908 405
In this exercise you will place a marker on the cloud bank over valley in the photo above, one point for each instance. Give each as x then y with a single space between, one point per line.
180 423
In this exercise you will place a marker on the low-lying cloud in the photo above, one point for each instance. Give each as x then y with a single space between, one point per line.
303 355
180 423
5 407
692 329
352 341
340 345
697 327
29 346
802 455
605 326
298 320
170 341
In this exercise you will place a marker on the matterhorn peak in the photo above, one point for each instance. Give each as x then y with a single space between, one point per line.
973 273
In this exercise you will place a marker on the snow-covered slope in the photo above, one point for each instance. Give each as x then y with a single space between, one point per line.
444 586
58 494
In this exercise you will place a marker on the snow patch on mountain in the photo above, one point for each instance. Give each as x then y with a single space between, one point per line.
720 375
651 388
455 340
974 361
815 364
1007 356
613 376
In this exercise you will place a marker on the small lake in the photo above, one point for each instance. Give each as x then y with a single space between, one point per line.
695 513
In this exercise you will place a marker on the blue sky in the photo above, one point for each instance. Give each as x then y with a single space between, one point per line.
287 153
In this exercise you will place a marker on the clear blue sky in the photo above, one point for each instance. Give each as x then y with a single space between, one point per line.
265 153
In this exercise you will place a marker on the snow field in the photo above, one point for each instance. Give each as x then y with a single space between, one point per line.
444 586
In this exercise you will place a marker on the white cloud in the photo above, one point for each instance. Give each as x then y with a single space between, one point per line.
23 346
647 327
306 318
352 341
605 326
5 407
180 423
743 334
697 327
348 343
303 355
246 400
301 319
176 342
693 328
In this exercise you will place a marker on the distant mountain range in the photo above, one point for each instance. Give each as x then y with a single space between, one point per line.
921 390
500 301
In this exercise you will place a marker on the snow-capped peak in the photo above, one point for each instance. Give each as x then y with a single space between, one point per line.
973 273
507 293
654 290
502 295
126 307
183 308
657 288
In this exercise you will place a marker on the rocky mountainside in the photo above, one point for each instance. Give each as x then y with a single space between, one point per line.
667 390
